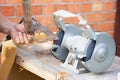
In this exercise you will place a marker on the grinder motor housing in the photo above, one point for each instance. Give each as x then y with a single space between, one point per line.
82 48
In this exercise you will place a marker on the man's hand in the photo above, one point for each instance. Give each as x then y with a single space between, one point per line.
19 35
16 31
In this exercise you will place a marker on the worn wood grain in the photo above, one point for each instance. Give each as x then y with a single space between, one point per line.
62 75
19 73
8 57
38 60
49 68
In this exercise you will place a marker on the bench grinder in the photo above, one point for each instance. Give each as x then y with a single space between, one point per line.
82 48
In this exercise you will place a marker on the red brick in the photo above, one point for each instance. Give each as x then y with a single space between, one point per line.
73 8
49 9
71 20
73 0
46 1
94 0
108 26
39 1
48 22
111 16
53 28
33 1
19 11
111 33
7 10
96 17
115 5
15 19
92 26
108 6
85 7
61 6
45 20
2 2
36 10
97 6
50 1
14 1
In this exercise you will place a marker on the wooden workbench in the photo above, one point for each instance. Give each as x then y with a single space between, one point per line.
44 65
37 59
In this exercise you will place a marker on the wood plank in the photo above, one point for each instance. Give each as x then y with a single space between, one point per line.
29 60
37 59
61 75
8 57
19 73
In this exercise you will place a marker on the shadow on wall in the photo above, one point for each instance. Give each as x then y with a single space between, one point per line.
117 28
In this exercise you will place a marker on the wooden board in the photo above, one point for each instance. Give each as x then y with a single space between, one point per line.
34 59
19 73
8 57
46 66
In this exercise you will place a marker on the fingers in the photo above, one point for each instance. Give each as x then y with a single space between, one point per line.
16 40
23 38
30 37
19 36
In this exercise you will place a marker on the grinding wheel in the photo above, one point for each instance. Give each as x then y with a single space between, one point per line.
103 54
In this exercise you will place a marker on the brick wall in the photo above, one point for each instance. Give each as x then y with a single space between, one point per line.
99 13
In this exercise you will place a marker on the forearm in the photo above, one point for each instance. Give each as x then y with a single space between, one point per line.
5 24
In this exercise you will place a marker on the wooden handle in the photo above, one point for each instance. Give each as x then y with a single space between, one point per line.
26 4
